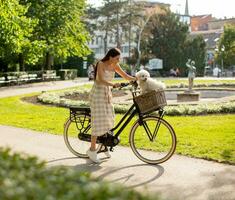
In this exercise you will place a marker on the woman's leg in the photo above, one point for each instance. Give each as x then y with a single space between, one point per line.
93 143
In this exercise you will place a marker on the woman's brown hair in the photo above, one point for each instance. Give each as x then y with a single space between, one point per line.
111 53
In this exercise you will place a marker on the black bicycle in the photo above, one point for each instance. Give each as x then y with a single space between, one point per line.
149 131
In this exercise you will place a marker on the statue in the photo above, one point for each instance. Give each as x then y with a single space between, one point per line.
191 73
189 95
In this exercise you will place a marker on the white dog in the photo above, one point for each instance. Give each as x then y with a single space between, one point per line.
146 83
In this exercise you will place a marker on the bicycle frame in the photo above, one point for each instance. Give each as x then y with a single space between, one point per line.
154 135
132 111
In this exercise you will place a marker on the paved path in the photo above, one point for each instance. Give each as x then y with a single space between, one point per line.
38 87
179 178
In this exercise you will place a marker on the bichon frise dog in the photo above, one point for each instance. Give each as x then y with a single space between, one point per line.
146 83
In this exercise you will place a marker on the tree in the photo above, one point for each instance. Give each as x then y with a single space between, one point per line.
109 21
114 19
16 30
90 19
132 22
59 27
165 36
194 49
227 46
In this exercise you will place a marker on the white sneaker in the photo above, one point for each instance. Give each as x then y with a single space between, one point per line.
93 156
107 153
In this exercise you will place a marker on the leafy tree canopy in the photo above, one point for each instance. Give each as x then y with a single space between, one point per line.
227 46
167 37
60 26
16 29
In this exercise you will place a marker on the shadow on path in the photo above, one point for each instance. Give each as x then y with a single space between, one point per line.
61 159
124 174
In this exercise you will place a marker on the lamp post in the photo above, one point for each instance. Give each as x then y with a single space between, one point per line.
222 61
221 51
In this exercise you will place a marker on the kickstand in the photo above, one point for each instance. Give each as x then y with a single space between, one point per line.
103 148
111 149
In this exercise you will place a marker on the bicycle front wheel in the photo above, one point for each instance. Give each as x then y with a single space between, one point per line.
73 129
152 141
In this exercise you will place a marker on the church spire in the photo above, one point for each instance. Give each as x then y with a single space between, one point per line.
186 12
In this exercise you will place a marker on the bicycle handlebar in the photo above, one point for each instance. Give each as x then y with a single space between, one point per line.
133 83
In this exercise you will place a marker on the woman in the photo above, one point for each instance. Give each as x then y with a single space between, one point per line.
102 112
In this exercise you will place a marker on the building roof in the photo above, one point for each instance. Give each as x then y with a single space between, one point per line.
219 31
151 2
218 20
211 37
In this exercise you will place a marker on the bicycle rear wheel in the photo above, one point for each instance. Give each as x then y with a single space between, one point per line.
72 135
159 142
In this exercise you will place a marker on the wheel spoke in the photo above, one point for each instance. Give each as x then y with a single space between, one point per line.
81 125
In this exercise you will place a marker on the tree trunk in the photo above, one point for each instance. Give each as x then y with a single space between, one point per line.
4 68
49 61
118 33
21 62
106 36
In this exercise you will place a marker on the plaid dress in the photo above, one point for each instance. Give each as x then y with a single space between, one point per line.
102 111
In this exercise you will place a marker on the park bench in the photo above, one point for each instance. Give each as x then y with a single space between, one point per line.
2 81
7 80
49 75
17 78
68 74
28 77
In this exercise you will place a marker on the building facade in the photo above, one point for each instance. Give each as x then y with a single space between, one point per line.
211 30
97 43
200 22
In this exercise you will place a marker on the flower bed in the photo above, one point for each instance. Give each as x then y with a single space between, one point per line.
183 85
61 99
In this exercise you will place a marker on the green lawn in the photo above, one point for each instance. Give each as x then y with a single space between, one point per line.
211 137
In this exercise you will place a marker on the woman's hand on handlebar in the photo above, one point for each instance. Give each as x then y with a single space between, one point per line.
117 85
120 85
134 83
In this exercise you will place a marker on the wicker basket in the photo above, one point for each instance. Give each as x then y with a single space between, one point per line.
151 101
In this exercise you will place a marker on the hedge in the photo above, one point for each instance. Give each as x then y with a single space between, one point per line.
26 178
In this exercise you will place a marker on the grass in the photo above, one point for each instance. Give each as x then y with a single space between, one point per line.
211 137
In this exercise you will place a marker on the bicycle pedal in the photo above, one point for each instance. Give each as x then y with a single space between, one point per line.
111 149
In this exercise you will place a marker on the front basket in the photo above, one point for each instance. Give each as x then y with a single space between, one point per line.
151 101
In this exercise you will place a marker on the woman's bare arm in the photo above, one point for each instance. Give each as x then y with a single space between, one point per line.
123 74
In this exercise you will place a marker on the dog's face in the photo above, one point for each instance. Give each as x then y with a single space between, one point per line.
142 75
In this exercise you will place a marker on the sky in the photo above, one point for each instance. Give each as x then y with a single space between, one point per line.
218 8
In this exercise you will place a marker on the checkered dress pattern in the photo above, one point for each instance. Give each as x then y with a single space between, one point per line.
102 111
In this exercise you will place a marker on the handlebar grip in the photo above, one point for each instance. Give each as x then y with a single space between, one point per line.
134 83
124 84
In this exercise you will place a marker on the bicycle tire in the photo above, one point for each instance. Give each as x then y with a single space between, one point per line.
71 130
161 148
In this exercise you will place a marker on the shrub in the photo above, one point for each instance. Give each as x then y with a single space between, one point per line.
24 177
200 109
